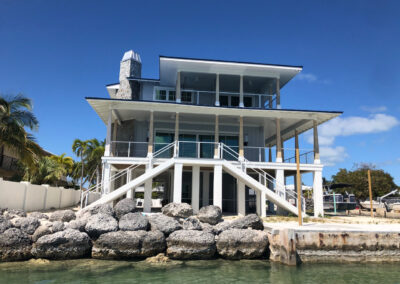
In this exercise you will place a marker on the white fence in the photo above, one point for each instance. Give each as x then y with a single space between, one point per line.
32 197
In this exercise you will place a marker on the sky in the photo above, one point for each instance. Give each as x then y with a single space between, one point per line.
59 52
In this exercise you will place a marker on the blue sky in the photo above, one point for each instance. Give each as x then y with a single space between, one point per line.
58 52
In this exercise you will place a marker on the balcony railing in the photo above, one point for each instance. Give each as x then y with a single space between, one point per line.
206 150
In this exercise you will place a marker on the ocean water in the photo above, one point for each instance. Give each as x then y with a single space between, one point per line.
213 271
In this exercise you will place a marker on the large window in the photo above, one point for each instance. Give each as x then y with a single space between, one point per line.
164 94
186 97
161 95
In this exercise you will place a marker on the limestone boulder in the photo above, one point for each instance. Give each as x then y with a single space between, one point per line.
39 215
14 213
242 244
124 206
27 225
179 210
57 226
15 245
41 231
128 245
133 222
66 244
77 224
191 244
251 221
100 224
106 209
210 214
62 215
4 224
163 223
191 223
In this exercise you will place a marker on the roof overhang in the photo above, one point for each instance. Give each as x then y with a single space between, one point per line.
169 66
290 120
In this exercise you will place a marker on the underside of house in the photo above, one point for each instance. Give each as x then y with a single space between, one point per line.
206 132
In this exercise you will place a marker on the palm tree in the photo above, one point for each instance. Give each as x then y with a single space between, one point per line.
94 153
79 147
15 116
46 170
66 162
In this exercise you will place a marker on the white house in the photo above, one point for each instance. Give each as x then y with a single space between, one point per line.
209 131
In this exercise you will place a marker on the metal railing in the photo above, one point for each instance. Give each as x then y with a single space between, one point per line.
306 156
129 149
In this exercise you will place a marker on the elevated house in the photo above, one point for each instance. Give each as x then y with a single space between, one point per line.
208 131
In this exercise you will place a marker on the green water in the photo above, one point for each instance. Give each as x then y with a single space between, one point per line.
215 271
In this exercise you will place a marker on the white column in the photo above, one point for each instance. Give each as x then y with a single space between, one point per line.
178 87
216 138
129 194
151 135
241 149
106 179
107 150
217 90
217 196
318 195
260 198
280 190
278 142
195 188
241 198
148 188
206 188
241 104
176 136
178 183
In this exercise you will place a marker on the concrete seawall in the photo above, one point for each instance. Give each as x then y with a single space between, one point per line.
291 244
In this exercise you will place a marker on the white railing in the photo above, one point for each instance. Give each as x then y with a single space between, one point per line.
280 189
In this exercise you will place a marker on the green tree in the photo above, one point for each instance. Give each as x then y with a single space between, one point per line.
66 162
382 182
15 117
45 171
80 147
95 151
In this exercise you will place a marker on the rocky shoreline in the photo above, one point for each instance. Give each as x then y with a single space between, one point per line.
104 232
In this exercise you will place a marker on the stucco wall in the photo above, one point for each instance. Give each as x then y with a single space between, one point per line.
30 197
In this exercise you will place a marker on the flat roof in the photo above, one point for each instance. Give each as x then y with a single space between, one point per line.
291 119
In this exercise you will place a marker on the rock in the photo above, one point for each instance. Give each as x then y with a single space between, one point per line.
223 226
165 224
40 232
128 245
15 245
39 215
39 261
159 258
124 206
63 216
191 244
63 245
251 221
27 224
210 214
14 213
191 223
101 208
4 224
242 244
208 228
180 210
100 224
77 224
57 226
133 222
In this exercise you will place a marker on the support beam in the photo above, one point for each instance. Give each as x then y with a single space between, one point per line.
316 144
270 97
129 194
176 136
241 198
206 188
106 178
196 188
298 178
216 138
287 130
278 141
278 94
107 150
217 196
241 104
241 146
217 90
280 181
178 183
318 195
117 116
151 135
260 198
269 153
178 87
148 188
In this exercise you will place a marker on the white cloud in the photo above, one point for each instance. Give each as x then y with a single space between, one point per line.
332 155
373 109
354 125
311 78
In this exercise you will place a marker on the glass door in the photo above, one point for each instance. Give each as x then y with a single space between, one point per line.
161 140
187 146
206 149
233 143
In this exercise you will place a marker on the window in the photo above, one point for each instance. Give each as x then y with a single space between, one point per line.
186 97
171 95
248 102
223 101
234 101
161 95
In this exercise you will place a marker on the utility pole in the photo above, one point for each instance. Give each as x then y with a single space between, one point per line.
370 193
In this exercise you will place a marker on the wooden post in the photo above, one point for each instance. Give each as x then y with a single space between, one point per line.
298 180
370 193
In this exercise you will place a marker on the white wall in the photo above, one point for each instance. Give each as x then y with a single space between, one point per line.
31 197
